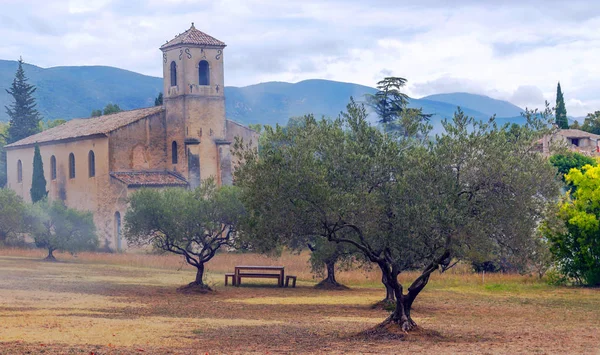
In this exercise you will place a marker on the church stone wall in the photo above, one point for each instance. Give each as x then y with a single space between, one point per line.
195 113
247 135
140 145
175 131
187 59
207 122
95 194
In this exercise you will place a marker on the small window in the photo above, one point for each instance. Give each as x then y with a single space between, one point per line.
71 166
19 171
204 72
53 167
174 152
92 163
173 74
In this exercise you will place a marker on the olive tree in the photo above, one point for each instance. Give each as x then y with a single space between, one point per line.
192 223
12 213
54 227
404 204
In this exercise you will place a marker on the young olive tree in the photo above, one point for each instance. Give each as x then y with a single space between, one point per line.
402 203
12 215
57 227
324 256
192 223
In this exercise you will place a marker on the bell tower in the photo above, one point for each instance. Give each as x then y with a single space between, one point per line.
194 101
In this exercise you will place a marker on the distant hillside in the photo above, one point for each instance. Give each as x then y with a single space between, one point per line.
483 104
276 102
73 92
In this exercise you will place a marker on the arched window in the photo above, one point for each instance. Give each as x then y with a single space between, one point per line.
71 166
92 163
118 229
19 171
174 152
173 74
53 167
204 73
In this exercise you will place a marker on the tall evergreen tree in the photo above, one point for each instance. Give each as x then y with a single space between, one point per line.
561 111
159 100
3 134
24 117
38 181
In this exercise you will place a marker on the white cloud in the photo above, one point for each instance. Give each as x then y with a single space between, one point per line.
511 50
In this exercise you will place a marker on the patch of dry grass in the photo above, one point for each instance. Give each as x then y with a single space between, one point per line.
295 264
125 303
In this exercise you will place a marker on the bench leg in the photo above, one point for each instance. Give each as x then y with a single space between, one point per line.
226 278
294 283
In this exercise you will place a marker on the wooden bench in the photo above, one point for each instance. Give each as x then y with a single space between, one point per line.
227 276
258 276
265 272
287 280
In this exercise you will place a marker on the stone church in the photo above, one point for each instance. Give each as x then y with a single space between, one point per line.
94 164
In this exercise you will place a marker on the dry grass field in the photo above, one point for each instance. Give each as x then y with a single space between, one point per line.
127 303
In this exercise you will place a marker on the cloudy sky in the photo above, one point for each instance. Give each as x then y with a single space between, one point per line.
506 49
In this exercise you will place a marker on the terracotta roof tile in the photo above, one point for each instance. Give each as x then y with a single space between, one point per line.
149 178
85 127
193 36
576 133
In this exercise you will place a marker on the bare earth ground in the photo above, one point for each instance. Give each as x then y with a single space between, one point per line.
97 304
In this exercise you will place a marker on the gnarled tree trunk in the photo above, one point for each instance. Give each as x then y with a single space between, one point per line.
198 286
199 274
50 256
329 281
401 315
390 298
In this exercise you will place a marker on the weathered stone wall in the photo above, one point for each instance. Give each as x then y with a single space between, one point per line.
96 194
187 59
140 145
247 135
195 113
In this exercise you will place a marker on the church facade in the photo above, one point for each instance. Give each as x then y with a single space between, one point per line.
94 164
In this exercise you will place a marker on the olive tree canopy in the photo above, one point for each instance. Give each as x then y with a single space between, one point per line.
192 223
404 204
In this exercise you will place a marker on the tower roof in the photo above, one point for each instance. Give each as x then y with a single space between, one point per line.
193 36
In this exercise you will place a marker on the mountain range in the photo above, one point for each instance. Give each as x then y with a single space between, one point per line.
73 92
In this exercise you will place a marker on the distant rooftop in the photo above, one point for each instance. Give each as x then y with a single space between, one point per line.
194 37
576 133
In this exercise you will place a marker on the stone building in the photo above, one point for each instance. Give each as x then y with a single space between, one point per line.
96 163
573 139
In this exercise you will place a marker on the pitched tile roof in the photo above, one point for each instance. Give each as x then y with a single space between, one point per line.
85 127
193 36
150 178
576 133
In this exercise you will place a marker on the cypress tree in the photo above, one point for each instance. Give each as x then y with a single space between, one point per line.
561 111
24 117
159 100
3 130
38 181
